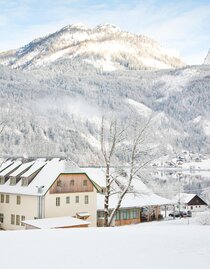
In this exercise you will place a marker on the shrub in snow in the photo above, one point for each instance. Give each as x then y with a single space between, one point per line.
204 218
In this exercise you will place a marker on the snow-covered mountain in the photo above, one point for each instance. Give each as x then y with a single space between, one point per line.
207 59
54 102
57 109
106 47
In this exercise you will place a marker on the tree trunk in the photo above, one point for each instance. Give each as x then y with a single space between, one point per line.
107 194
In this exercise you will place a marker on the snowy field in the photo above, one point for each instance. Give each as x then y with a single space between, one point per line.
161 245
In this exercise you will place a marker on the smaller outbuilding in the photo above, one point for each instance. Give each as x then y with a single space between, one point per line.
55 223
190 201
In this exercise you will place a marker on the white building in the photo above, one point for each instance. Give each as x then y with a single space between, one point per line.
190 201
44 188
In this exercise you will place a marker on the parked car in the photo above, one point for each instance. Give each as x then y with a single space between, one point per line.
184 215
180 214
175 214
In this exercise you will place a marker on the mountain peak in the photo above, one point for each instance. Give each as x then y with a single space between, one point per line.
76 26
105 47
108 26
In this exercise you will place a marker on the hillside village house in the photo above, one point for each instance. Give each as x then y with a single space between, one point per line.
44 188
190 201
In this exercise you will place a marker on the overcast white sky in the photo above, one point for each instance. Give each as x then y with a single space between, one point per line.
180 25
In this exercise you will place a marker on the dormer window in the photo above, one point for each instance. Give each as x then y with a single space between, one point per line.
12 181
24 182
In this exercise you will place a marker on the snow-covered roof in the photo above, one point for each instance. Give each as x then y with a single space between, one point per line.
21 169
10 168
48 171
142 195
96 174
133 200
184 198
37 165
59 222
83 214
5 164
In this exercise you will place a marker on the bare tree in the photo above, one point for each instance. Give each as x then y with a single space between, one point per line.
2 126
109 142
138 154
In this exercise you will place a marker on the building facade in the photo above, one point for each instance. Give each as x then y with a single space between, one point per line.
44 188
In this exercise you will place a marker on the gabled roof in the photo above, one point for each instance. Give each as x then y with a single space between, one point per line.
47 172
184 198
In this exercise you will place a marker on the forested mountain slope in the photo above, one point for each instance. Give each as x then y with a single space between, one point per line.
57 109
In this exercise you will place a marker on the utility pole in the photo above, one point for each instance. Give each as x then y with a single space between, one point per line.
39 190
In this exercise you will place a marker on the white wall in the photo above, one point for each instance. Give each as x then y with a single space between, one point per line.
27 208
195 208
51 210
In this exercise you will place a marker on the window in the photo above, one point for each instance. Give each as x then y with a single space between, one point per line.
1 218
2 198
77 199
2 180
17 220
86 199
67 199
12 219
18 200
7 199
134 214
117 216
72 182
58 201
125 215
22 219
12 181
85 182
100 214
24 182
59 183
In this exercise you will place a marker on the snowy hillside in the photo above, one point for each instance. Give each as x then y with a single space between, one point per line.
57 110
207 59
145 246
105 47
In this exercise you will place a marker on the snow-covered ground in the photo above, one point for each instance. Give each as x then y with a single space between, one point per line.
151 245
